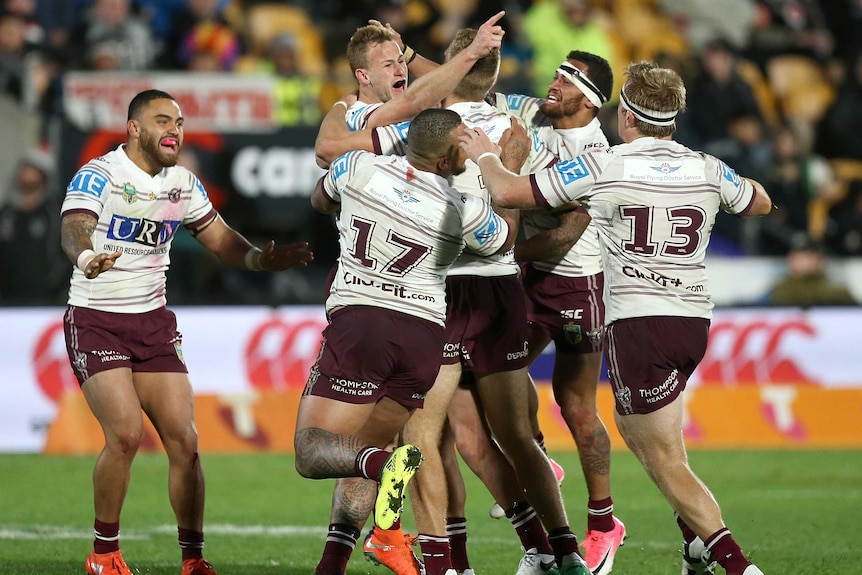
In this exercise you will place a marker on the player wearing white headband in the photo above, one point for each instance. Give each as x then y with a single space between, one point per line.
563 280
654 202
647 116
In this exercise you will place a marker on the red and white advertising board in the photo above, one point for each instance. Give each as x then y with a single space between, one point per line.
771 377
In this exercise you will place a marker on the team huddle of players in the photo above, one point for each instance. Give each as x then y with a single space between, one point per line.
436 308
613 254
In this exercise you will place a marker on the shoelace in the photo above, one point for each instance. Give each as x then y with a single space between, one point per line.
530 559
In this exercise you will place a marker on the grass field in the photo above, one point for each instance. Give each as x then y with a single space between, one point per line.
794 512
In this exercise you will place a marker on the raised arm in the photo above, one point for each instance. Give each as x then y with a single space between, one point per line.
320 201
429 90
513 221
335 138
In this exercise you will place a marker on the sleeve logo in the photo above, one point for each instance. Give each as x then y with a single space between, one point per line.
730 175
88 182
488 230
571 170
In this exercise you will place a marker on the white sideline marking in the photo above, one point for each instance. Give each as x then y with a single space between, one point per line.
55 532
49 532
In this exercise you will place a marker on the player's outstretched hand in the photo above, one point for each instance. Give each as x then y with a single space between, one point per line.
488 36
276 258
100 263
475 142
515 144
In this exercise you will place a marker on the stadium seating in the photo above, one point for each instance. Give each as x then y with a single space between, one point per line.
264 21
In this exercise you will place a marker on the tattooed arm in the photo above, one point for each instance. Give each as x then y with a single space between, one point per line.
552 244
76 232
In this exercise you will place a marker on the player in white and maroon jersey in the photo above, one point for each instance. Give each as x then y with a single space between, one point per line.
119 217
421 215
402 226
486 331
655 202
563 279
379 63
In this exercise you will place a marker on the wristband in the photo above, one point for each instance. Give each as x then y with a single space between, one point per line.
84 258
250 264
409 54
341 103
483 154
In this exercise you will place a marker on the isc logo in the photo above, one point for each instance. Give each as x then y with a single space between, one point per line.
141 231
572 313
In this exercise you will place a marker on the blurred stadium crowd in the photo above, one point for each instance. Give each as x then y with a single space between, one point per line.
773 89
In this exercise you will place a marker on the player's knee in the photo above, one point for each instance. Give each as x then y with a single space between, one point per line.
126 441
304 462
304 466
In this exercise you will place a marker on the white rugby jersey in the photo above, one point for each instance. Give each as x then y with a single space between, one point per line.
356 116
392 139
401 229
654 203
137 215
585 256
493 122
524 107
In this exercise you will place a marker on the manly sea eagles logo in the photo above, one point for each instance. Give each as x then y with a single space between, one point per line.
174 195
624 396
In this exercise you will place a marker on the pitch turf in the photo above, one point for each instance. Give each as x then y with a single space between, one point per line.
794 512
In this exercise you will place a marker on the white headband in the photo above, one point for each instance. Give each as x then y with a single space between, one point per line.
653 117
579 79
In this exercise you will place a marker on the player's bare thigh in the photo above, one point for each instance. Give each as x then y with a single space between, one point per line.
113 399
426 425
576 375
168 400
655 438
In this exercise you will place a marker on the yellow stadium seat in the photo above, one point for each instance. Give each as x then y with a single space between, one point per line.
752 75
800 86
263 22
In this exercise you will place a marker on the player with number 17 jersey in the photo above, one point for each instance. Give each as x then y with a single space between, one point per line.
400 231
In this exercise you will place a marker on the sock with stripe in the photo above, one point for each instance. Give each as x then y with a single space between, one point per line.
600 515
456 529
529 528
191 542
340 542
563 542
436 554
106 537
369 462
724 549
